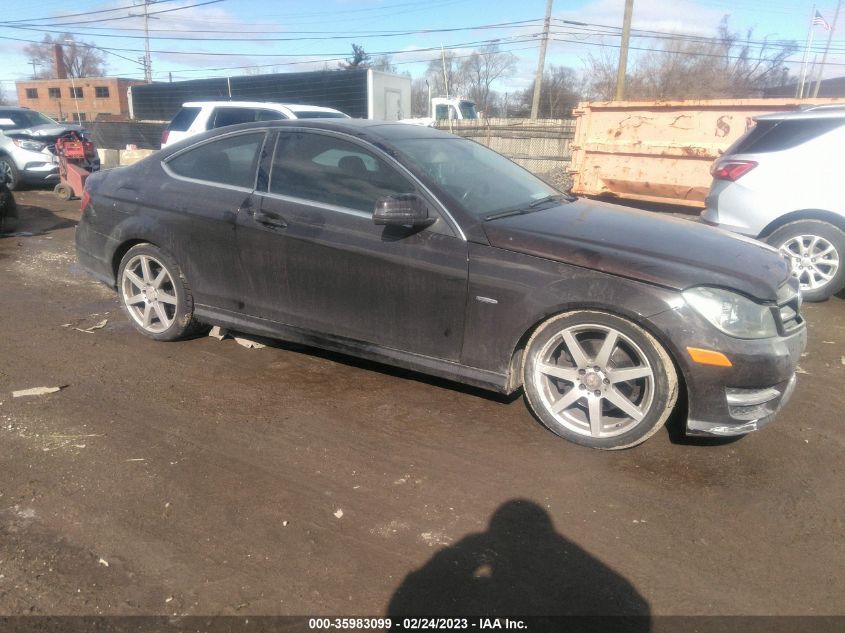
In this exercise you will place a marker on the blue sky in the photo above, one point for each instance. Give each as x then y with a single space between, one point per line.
366 21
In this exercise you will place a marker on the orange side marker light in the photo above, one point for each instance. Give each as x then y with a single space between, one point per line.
709 357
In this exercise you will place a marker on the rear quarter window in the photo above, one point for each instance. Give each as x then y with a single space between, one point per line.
183 120
224 117
231 160
775 136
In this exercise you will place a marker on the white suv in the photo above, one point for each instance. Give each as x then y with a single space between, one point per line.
783 183
199 116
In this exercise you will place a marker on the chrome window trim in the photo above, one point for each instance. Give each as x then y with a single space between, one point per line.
313 203
169 171
441 209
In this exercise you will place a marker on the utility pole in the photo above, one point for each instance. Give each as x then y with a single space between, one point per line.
541 63
826 49
623 51
34 64
148 64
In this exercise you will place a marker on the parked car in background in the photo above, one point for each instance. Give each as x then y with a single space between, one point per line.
27 147
782 183
199 116
416 248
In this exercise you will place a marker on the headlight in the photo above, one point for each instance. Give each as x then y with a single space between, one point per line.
32 146
731 313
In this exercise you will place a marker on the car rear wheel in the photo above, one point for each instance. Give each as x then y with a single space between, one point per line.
599 380
11 173
815 250
155 294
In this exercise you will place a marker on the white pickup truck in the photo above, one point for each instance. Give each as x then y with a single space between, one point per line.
446 109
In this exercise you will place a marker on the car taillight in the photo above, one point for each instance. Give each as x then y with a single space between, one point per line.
732 169
164 136
86 198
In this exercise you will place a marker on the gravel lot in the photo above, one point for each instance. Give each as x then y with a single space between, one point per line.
202 477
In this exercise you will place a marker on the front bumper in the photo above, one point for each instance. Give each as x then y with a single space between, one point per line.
772 400
43 167
724 401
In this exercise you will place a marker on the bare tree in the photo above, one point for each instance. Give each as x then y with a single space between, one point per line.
384 63
360 59
419 97
3 99
453 74
559 93
729 65
481 69
82 59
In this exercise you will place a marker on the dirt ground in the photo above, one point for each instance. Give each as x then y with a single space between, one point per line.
202 477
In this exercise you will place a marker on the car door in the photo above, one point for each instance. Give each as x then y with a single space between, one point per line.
322 265
207 186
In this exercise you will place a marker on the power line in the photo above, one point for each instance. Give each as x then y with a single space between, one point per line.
330 36
73 15
247 54
125 17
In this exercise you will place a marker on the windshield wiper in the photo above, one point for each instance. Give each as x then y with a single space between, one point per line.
531 206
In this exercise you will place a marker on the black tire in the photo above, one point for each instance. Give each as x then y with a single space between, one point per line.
183 323
653 396
11 173
830 234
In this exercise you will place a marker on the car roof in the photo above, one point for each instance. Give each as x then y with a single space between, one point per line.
379 132
293 107
829 111
384 130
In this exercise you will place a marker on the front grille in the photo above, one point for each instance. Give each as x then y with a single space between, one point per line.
789 308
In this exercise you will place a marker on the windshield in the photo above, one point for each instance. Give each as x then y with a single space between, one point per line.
483 181
468 110
19 119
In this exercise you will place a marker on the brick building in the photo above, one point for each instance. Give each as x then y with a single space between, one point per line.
61 99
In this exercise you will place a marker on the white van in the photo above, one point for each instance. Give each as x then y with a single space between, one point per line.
198 116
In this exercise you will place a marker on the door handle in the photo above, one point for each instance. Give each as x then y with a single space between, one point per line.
269 219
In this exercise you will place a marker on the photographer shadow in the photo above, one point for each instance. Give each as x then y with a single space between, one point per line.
519 567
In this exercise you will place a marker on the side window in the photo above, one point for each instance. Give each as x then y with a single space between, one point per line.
270 115
228 161
232 116
333 171
441 111
183 120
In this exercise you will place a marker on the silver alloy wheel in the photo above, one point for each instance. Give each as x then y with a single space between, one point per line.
814 260
148 293
594 380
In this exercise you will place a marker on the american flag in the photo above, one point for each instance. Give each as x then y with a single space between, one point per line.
818 20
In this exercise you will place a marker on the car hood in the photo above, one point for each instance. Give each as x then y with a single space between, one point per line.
46 131
672 252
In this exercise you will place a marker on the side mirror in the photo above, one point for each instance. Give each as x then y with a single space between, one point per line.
405 209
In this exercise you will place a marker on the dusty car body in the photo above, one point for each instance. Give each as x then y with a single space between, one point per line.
602 314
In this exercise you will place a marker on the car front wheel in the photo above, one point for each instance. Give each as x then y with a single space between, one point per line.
599 380
815 250
10 172
155 294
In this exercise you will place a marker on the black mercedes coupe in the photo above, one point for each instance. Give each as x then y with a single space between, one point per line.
416 248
